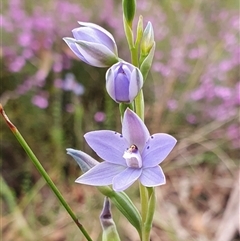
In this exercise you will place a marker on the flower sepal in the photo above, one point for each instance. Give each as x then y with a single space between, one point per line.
84 161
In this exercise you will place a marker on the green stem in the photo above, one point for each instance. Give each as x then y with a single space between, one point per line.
139 109
42 171
149 218
139 104
134 55
146 195
123 107
144 202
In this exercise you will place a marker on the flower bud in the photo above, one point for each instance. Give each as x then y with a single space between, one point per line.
123 82
147 49
94 45
109 228
147 40
129 8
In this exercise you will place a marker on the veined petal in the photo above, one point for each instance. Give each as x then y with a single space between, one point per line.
95 26
101 174
136 83
126 178
72 45
96 54
108 145
152 177
134 130
157 149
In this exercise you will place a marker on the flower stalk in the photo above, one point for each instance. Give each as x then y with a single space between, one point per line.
42 171
146 42
147 225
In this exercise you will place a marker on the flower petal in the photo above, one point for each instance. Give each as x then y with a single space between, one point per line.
72 45
108 145
152 177
136 83
126 178
100 175
134 130
96 54
94 36
157 149
110 43
121 88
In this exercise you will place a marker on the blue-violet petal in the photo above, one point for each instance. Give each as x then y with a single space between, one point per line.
126 178
157 149
108 145
134 130
152 177
100 175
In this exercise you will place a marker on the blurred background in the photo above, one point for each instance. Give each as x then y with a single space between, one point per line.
53 98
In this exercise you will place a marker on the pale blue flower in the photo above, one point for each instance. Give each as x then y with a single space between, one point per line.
94 45
123 82
129 156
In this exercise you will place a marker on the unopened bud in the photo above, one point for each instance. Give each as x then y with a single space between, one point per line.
123 82
129 8
109 228
147 40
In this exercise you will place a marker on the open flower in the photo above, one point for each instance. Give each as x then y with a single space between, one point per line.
94 45
129 156
123 82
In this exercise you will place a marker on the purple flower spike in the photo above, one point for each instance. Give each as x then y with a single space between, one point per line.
94 45
129 156
123 82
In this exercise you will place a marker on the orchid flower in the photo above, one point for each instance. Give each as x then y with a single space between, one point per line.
93 44
132 155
